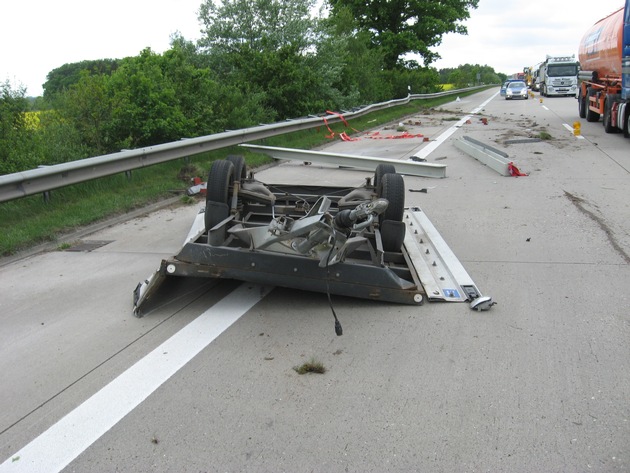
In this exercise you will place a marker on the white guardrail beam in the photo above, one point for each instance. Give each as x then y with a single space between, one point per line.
35 181
410 168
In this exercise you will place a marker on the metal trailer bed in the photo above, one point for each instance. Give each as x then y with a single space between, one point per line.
358 242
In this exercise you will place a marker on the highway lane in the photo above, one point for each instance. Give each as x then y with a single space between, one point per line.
539 383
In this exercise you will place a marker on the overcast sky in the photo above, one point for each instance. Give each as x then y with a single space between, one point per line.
37 36
511 34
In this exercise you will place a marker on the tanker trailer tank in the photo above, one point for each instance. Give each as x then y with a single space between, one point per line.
604 88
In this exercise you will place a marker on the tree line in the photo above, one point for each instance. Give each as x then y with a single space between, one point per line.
256 62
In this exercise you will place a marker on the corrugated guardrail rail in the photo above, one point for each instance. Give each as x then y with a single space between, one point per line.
35 181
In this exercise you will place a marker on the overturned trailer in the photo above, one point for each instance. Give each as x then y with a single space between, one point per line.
358 242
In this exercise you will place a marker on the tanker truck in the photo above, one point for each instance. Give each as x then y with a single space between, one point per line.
604 88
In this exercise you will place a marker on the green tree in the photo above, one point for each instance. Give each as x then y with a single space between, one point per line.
16 151
277 51
154 98
62 78
401 27
359 70
260 25
145 103
87 104
471 74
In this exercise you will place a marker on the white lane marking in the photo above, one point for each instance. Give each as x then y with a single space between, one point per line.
54 449
545 107
428 149
570 128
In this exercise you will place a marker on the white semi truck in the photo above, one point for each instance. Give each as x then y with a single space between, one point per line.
558 75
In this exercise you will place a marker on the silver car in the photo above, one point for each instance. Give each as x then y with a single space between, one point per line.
516 90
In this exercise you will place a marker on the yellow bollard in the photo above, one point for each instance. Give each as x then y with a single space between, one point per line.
577 128
540 99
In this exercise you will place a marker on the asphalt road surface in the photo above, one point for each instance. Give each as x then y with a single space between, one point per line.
206 382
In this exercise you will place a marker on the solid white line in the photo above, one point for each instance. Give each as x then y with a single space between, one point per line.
570 128
428 149
54 449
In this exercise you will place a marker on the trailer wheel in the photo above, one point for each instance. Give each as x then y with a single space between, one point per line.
590 115
380 171
626 121
240 168
392 235
581 104
220 179
392 228
392 188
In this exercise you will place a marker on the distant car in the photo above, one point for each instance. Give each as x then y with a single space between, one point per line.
505 84
516 90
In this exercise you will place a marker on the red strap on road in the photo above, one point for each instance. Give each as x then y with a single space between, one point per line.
345 137
377 136
513 170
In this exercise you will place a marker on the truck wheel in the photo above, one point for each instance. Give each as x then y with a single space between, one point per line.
220 179
392 228
591 116
607 119
581 104
626 121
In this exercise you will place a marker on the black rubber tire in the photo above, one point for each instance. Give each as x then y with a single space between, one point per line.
380 171
607 119
581 105
220 180
392 235
240 167
590 115
392 188
626 122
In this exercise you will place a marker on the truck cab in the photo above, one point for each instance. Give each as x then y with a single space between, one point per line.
558 76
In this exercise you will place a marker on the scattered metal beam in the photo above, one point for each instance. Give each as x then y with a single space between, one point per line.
491 157
410 168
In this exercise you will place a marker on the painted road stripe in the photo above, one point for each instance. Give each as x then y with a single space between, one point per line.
570 128
433 145
67 439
